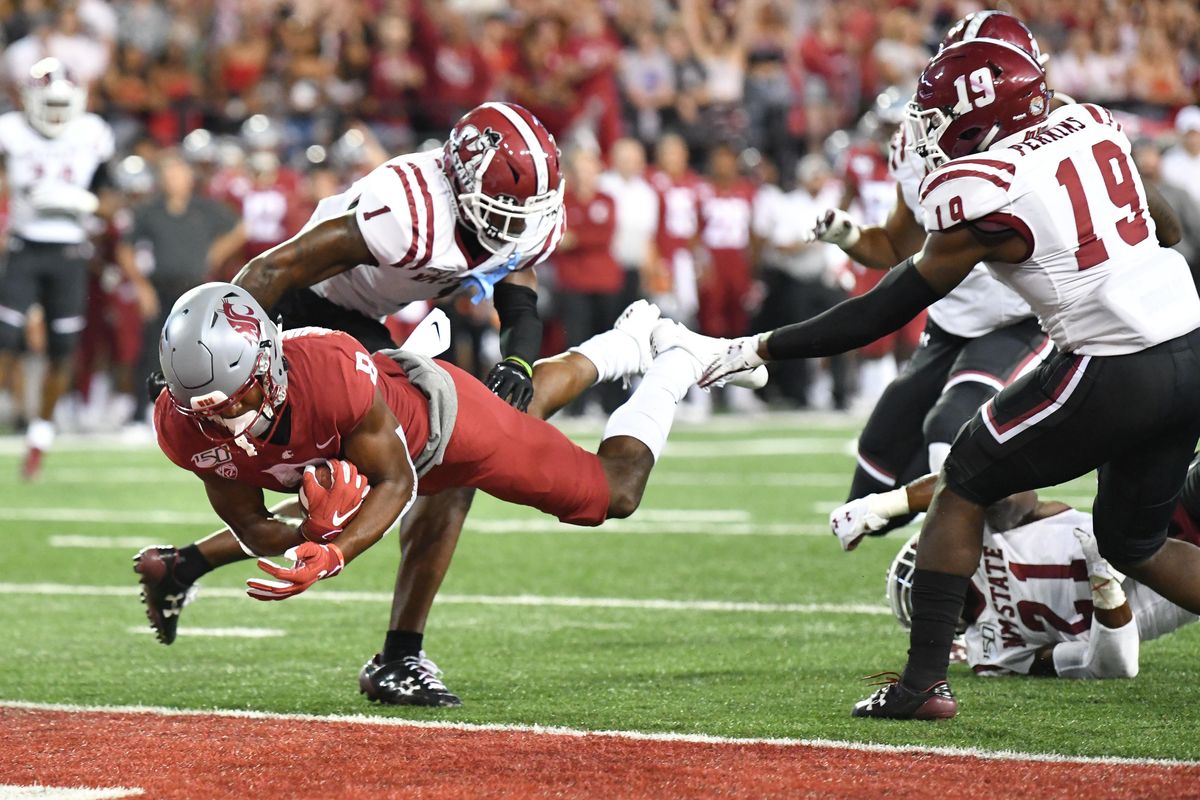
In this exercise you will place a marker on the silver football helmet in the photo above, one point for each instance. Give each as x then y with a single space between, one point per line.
217 343
51 99
899 581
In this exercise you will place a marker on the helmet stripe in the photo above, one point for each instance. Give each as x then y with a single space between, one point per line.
536 151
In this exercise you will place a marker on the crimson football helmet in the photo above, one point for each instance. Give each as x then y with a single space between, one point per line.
995 25
504 167
972 94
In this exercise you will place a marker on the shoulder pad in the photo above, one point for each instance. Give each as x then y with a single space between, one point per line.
966 189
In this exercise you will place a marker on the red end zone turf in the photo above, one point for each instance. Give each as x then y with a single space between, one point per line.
202 756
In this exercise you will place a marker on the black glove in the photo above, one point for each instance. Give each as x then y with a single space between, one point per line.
155 383
512 381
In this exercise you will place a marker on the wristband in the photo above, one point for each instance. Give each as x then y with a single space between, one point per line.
889 505
522 363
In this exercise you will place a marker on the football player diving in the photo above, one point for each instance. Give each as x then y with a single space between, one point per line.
476 215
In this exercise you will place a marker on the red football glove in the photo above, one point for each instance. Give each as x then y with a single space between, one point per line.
311 563
329 510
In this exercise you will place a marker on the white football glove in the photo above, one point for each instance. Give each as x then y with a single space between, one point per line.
1104 579
854 520
834 226
50 196
740 357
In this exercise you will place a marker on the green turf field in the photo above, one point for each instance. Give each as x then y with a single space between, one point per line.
734 514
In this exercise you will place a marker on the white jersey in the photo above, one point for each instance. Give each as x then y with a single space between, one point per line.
69 159
1093 272
406 213
978 305
1032 590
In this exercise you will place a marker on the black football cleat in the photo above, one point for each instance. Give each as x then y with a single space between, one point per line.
411 681
894 700
163 595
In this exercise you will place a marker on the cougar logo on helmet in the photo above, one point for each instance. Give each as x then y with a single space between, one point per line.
244 322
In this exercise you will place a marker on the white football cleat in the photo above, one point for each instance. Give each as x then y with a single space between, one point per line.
705 349
638 321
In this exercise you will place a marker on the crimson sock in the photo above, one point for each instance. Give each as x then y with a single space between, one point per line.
937 600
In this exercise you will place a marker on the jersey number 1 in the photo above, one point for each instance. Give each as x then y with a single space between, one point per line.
1118 180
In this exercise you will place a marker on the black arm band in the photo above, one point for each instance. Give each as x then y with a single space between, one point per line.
898 298
520 325
101 179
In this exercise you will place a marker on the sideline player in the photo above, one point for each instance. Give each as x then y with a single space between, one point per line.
55 156
1043 600
978 338
1053 205
479 214
248 408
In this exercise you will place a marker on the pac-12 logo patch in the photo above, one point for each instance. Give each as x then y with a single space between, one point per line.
210 459
227 471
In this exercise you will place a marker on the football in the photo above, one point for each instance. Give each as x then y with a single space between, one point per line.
323 474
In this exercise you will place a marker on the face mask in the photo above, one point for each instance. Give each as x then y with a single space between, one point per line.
246 423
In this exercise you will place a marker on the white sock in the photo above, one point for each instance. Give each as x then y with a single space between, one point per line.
615 354
648 414
40 434
937 455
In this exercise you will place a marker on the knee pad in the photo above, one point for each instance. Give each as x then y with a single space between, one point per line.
62 336
954 409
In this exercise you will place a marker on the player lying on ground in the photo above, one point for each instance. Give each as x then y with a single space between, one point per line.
1043 601
479 213
1054 207
248 408
979 337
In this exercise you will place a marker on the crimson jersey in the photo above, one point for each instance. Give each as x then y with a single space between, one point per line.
1093 270
678 211
868 177
272 213
725 214
331 386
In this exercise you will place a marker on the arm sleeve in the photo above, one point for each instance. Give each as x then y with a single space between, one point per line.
1107 653
898 298
520 324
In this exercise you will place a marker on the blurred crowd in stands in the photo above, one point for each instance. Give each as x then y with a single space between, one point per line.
701 136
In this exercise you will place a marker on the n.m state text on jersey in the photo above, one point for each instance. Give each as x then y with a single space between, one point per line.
1093 272
31 159
405 212
978 305
1031 590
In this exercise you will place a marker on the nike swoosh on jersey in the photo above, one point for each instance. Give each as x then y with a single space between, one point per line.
327 442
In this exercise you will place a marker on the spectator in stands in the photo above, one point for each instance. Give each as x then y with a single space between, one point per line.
456 77
185 236
589 282
62 36
1155 77
900 55
690 93
1181 164
1148 157
648 81
721 43
725 216
1070 70
636 210
799 277
1108 66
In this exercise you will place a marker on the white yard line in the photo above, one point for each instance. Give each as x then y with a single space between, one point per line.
698 522
540 601
540 730
9 791
222 633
